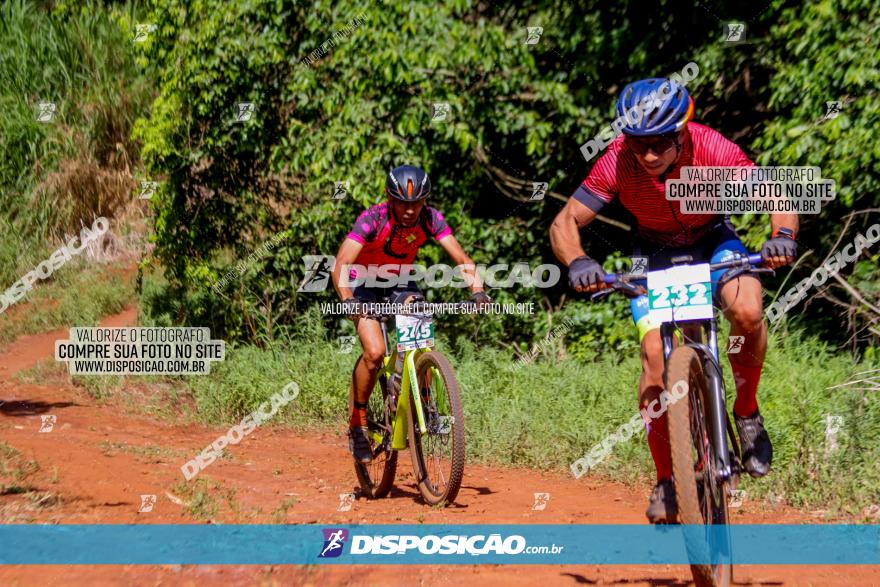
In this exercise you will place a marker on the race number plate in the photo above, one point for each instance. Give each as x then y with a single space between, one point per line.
414 332
680 293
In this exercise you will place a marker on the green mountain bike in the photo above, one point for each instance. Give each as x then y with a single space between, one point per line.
417 404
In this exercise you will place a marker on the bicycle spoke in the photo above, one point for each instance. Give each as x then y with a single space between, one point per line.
377 475
702 466
436 441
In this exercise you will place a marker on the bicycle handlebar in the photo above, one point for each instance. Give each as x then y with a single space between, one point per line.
621 281
753 260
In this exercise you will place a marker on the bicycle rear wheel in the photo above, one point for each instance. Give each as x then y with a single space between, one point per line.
702 500
438 454
377 476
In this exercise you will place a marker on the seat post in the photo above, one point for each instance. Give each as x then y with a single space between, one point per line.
383 325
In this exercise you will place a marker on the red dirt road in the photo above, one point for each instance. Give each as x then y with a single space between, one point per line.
100 457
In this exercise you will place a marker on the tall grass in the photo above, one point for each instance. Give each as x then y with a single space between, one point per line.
551 412
77 295
56 175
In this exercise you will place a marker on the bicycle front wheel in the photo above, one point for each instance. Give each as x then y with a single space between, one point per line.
702 500
437 454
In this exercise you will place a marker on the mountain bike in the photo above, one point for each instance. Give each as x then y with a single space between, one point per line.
706 458
417 404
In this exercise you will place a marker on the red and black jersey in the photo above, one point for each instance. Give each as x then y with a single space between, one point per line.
618 174
388 243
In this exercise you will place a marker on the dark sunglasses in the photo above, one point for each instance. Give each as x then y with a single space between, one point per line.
659 145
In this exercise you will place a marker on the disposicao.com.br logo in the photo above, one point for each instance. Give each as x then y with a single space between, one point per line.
334 541
431 544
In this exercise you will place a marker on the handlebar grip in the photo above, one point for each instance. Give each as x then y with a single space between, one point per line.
756 258
610 278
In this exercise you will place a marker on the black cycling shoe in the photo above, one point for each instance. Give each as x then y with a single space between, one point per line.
757 451
663 507
359 444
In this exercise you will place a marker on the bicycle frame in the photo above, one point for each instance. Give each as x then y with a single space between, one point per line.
408 386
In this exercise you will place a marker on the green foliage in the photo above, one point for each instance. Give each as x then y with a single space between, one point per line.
349 115
815 62
57 175
345 91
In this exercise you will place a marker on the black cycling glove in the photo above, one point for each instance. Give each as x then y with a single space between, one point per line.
780 246
584 272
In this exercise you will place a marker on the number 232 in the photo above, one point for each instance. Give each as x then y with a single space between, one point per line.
693 295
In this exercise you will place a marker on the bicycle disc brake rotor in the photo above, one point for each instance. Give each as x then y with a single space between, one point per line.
437 424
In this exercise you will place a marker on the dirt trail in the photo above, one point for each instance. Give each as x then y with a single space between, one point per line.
100 457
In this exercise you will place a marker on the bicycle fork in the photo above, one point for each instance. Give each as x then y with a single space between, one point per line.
716 414
409 404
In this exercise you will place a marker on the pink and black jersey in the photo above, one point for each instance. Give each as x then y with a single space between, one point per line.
618 174
388 243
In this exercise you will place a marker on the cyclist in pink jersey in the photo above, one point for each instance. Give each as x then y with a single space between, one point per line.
390 234
654 148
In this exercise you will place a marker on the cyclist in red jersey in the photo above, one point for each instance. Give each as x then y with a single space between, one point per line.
634 169
390 234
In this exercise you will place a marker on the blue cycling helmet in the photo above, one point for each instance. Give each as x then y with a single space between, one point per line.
654 106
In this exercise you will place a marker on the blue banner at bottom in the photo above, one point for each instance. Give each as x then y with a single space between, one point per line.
439 544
